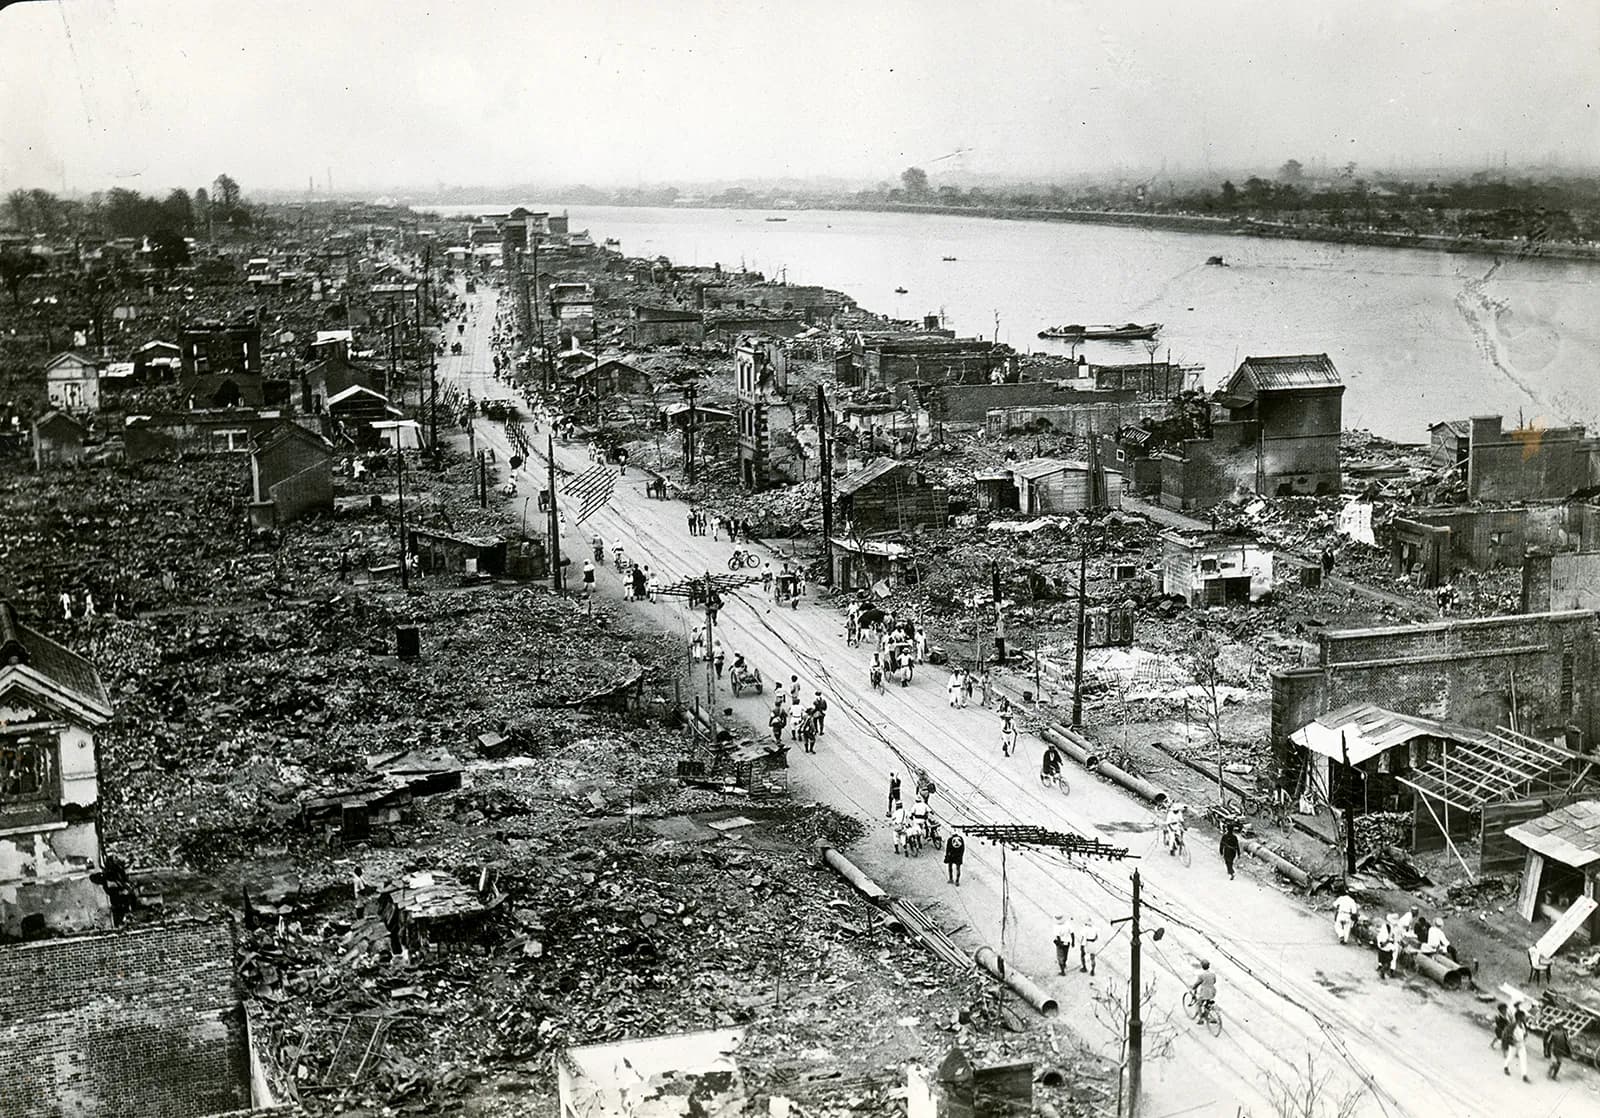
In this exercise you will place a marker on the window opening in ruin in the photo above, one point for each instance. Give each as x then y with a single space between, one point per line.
24 769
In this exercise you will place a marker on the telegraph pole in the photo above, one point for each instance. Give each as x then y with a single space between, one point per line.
825 447
1135 1018
1077 670
433 406
556 579
688 437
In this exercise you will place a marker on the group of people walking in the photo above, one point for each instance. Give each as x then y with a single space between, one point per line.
702 523
810 721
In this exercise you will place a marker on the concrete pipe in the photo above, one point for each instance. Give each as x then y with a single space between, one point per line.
1285 867
845 868
1081 750
1443 970
1018 982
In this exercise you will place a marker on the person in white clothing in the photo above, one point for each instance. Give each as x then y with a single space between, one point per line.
1345 911
1064 939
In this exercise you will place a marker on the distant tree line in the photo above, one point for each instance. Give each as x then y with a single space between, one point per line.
120 212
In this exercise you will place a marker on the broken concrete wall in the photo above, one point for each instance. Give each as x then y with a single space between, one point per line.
972 403
1560 582
1079 420
1206 472
1529 463
1490 538
1471 672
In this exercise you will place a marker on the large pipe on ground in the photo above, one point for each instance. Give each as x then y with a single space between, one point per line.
1277 861
1081 750
1019 983
845 868
1445 971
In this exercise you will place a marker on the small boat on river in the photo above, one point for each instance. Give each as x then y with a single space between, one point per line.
949 258
1216 262
777 219
899 291
1130 332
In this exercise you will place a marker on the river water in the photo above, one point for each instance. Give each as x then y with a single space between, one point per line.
1418 336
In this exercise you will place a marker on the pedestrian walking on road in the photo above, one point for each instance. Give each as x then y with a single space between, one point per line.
819 707
966 687
905 674
1229 848
691 519
953 689
66 606
717 658
1385 944
1557 1047
1516 1045
639 581
805 728
894 793
1345 911
588 577
794 691
1008 735
777 722
899 821
955 849
652 587
1088 945
1064 942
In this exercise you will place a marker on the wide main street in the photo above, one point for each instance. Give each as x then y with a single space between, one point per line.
1287 988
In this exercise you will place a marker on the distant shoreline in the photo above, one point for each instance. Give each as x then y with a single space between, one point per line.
1216 226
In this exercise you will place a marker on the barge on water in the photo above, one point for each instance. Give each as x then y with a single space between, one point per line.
1129 332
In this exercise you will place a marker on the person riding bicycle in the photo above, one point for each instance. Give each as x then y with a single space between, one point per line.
1172 830
616 556
1050 766
919 815
1204 988
599 550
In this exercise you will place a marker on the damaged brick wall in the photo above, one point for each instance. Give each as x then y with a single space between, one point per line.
1468 672
1529 464
135 1023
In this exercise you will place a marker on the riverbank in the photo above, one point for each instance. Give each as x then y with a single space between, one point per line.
1231 226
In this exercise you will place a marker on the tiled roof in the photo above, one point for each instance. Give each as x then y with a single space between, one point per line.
56 662
865 476
1036 468
1569 835
1271 374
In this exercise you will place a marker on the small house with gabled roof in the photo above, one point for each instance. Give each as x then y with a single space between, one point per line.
51 704
72 382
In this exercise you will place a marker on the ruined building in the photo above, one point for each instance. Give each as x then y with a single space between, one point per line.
1280 436
51 704
768 452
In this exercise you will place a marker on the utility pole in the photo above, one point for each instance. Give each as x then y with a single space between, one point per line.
1135 1017
556 579
825 456
433 406
1349 811
1077 670
1025 835
400 478
688 436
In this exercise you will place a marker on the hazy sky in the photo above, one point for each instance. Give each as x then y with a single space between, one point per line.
388 93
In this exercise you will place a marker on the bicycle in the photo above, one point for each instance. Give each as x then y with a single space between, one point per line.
1210 1016
1175 844
1056 780
741 558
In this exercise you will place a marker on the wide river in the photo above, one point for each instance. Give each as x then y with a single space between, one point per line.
1418 336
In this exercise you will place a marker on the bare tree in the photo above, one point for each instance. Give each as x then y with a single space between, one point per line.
1306 1092
1112 1006
1203 661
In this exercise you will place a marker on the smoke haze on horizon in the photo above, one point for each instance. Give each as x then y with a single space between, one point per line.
151 95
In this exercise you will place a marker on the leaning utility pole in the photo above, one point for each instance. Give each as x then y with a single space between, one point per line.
556 579
825 456
1028 834
1077 670
433 407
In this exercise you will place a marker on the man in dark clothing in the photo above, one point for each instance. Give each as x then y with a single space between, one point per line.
894 793
955 849
1229 848
819 708
1557 1047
